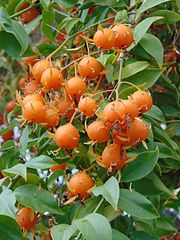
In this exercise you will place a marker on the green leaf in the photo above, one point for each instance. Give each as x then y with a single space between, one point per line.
94 226
153 46
143 236
178 4
9 229
63 231
155 113
170 17
19 169
37 198
164 151
90 206
7 203
110 191
12 46
45 3
149 4
7 145
41 162
48 17
110 70
164 227
65 3
33 24
70 24
141 166
136 205
116 235
148 225
121 16
164 138
4 17
131 69
105 2
24 141
141 29
160 185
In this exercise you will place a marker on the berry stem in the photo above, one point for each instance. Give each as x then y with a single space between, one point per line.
98 206
74 35
25 10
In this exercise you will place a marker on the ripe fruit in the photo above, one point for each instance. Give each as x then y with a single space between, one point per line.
31 87
29 61
104 38
31 97
67 136
34 111
29 15
138 131
60 36
113 155
51 117
1 119
89 67
61 166
27 218
10 106
97 131
22 82
88 106
121 138
143 99
1 175
75 87
124 36
39 68
77 40
8 135
51 78
66 107
79 184
131 109
114 112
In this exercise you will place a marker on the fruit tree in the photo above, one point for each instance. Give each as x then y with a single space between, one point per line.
89 119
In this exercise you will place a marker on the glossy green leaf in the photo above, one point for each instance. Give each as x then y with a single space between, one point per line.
149 4
141 166
90 206
116 235
169 17
110 191
153 46
12 46
48 17
7 203
141 29
143 236
164 227
18 169
33 24
70 24
63 231
9 229
45 3
136 205
24 141
94 226
156 114
164 151
104 2
164 138
121 16
37 198
132 69
7 145
67 4
41 162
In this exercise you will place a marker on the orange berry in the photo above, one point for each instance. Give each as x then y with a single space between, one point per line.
80 184
39 68
51 78
97 131
104 38
75 87
27 218
88 106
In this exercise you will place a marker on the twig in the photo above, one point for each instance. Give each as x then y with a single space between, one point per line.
24 10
